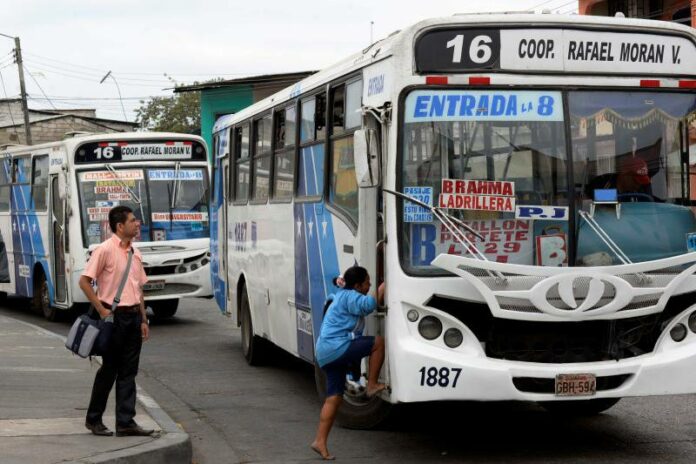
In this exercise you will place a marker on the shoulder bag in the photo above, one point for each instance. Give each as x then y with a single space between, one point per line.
92 337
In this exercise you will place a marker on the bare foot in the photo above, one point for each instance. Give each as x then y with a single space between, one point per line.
322 451
372 390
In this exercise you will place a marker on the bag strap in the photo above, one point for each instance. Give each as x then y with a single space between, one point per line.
117 298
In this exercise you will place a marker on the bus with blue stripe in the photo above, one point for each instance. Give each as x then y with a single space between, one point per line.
520 183
54 205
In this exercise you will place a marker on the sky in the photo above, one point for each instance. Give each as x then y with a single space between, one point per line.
150 46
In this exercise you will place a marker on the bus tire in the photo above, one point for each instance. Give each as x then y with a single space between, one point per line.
359 413
41 301
253 346
164 309
579 407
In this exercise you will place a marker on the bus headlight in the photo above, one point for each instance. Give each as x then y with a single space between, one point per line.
412 315
678 332
692 322
430 327
453 337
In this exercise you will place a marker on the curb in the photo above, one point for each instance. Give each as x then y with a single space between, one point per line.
172 447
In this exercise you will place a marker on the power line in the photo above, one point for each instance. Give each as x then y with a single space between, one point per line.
72 126
557 7
541 4
92 73
102 71
81 78
9 108
62 97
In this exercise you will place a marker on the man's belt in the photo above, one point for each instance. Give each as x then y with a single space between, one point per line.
124 309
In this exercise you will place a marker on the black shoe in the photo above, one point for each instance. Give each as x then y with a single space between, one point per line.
99 429
133 430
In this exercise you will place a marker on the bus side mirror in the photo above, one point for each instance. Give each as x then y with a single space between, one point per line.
366 156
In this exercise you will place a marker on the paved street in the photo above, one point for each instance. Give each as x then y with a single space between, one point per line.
194 369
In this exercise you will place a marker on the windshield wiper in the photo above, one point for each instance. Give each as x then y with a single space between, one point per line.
604 237
171 207
454 226
118 179
177 181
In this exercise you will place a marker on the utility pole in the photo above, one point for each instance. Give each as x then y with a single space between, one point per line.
23 90
20 66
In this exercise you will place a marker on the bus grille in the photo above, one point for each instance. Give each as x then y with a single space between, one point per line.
565 341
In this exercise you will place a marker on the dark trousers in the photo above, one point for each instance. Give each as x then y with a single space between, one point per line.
121 366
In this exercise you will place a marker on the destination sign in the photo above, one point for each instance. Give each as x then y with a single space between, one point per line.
554 50
483 105
101 152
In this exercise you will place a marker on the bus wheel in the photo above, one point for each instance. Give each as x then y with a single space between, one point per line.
357 410
164 309
252 346
579 407
41 301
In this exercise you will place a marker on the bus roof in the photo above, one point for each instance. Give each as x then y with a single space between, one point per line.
405 38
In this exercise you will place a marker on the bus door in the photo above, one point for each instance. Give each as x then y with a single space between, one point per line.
370 245
58 239
225 169
218 231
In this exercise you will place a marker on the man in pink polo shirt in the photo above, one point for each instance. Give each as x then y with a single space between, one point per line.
106 266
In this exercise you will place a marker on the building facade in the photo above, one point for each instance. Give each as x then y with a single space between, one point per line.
50 126
231 96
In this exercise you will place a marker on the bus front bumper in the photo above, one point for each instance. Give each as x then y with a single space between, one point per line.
190 284
421 371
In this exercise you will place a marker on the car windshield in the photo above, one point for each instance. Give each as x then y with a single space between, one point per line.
497 160
150 194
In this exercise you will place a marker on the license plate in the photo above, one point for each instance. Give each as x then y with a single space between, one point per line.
154 285
576 384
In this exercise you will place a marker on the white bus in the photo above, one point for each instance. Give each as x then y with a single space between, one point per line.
54 204
547 255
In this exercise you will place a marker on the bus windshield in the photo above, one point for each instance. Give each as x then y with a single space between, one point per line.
165 214
497 160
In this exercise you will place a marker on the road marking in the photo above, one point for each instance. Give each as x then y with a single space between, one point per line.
37 369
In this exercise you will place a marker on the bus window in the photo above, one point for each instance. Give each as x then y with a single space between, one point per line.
353 104
39 182
310 169
5 180
338 112
307 127
241 157
343 184
283 172
262 159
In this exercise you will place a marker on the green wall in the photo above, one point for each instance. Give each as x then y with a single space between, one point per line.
220 101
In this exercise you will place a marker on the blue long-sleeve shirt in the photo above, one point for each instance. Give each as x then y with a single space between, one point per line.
342 323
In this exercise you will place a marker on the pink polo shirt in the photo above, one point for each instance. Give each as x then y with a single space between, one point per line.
107 265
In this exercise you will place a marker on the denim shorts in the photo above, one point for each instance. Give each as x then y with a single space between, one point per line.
337 370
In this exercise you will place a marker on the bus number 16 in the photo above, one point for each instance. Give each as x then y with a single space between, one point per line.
106 152
479 49
433 376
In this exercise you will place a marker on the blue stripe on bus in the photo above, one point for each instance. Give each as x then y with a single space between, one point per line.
217 281
28 248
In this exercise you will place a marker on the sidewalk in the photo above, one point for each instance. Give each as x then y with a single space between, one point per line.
44 392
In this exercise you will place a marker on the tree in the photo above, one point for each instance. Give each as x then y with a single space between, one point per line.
179 113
